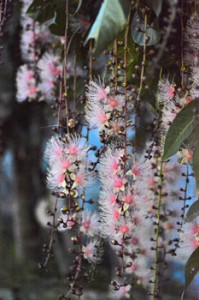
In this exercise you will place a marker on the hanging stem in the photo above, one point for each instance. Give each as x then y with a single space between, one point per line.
125 88
75 87
65 67
184 199
125 125
52 236
60 100
182 46
143 59
155 286
116 63
91 60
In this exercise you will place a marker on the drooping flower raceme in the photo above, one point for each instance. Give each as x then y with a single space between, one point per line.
26 83
66 157
104 109
50 68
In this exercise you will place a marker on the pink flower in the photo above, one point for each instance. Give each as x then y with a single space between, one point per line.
26 84
80 178
190 238
66 221
114 103
124 227
97 91
65 164
115 127
76 148
91 251
80 23
166 90
111 163
122 292
54 150
89 223
56 179
129 198
96 116
50 66
139 169
118 183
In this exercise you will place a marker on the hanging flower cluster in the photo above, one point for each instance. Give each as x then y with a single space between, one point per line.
38 78
142 205
125 206
68 177
130 190
67 171
104 110
192 53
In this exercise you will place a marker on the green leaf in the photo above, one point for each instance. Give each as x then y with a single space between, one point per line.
110 21
138 32
58 24
156 6
191 268
41 11
193 212
195 163
193 139
181 128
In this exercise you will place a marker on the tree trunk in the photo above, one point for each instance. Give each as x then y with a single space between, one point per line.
29 182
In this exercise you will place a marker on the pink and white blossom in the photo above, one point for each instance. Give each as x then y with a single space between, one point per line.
114 103
26 84
76 147
56 179
96 91
66 221
96 116
80 23
54 149
89 223
189 238
166 90
121 292
91 251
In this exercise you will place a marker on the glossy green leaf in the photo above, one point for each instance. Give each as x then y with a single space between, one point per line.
156 6
138 32
193 139
191 268
41 10
196 165
193 212
180 129
58 24
110 21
